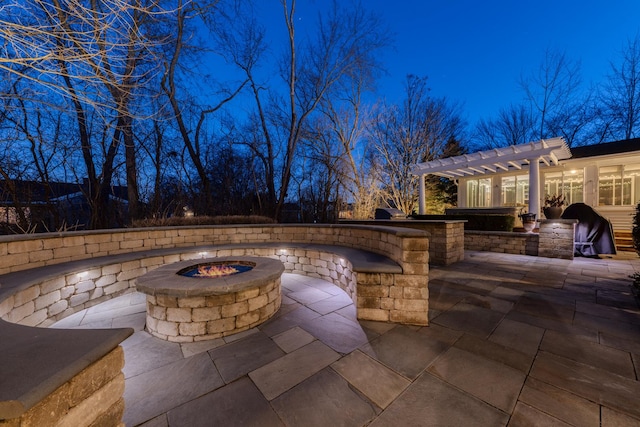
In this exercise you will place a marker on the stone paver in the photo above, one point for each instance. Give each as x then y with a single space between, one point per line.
143 353
285 373
330 304
598 385
405 350
430 401
154 392
560 404
517 335
293 339
339 333
513 340
243 356
470 318
296 317
379 383
325 399
488 380
236 404
590 353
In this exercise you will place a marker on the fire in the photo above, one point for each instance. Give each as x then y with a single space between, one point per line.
215 270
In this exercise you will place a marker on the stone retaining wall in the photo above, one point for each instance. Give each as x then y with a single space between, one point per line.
23 252
502 242
554 239
446 237
57 297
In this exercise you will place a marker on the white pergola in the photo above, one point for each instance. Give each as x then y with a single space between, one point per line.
515 157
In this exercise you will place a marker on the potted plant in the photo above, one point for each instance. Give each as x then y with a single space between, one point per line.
553 206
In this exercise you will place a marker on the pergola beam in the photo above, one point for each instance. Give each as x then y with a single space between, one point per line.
547 151
509 158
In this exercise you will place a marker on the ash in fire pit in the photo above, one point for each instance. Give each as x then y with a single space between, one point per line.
210 270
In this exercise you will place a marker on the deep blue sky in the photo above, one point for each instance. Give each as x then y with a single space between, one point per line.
474 52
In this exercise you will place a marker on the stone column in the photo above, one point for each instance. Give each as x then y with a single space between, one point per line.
534 187
422 210
557 238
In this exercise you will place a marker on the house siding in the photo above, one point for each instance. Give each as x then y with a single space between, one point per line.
621 217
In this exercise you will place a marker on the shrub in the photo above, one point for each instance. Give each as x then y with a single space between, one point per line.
476 222
176 221
636 281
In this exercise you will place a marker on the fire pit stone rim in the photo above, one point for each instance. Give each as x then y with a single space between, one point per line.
164 280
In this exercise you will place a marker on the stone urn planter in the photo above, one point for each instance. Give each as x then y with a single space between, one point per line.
528 221
552 212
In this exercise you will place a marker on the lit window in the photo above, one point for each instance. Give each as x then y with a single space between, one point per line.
568 183
479 193
619 185
515 191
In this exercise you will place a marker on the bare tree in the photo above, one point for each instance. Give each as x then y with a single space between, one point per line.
346 153
514 125
416 131
347 39
190 113
93 55
560 106
555 105
621 98
337 142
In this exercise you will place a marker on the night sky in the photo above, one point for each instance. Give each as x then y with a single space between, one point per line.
474 52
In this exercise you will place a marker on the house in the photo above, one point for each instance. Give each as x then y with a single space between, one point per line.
51 206
604 176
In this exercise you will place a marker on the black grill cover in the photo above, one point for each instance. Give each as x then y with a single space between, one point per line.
594 233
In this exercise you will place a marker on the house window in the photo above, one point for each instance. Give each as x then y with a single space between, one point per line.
619 185
568 183
9 215
515 190
479 193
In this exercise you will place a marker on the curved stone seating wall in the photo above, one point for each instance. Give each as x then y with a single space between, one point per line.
86 268
46 277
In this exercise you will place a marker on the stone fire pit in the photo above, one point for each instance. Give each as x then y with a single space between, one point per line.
185 309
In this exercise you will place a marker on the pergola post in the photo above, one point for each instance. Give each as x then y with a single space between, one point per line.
422 209
534 187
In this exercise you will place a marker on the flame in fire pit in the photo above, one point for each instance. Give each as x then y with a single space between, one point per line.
215 270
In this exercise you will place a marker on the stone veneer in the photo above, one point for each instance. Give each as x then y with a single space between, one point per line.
554 239
557 238
502 242
91 398
46 277
446 237
188 309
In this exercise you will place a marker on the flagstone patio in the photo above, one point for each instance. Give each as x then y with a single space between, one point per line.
513 340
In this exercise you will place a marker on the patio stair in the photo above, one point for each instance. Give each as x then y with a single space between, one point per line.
624 241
